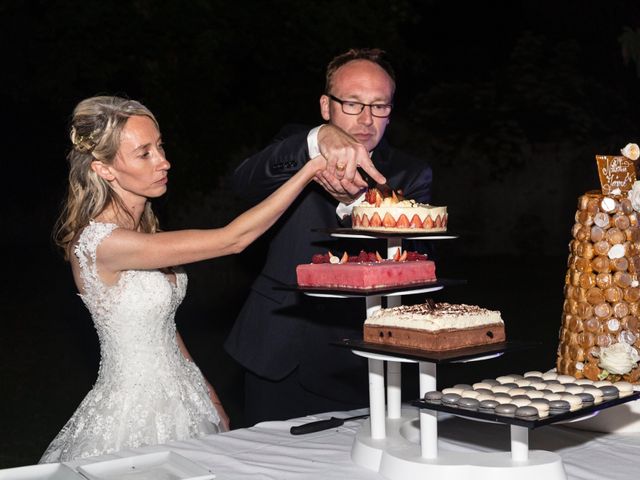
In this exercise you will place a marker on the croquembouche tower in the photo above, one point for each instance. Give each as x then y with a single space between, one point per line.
600 332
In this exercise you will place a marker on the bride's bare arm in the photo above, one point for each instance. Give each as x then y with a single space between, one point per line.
127 250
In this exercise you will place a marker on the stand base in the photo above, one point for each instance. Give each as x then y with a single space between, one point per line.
403 464
398 457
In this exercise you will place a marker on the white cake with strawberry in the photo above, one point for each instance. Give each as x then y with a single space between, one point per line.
397 214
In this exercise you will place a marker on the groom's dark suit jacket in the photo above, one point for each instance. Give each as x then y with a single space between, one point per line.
278 330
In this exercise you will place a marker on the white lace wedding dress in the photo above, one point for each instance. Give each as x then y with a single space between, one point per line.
146 391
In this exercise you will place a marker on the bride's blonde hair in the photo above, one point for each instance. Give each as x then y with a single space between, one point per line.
96 126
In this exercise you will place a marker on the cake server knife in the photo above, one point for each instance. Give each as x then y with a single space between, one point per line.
384 188
320 425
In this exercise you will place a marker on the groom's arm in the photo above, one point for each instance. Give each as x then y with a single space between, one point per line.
262 173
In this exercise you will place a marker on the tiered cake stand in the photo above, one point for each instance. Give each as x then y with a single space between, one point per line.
403 444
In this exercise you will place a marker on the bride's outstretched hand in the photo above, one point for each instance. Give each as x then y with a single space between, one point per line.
224 418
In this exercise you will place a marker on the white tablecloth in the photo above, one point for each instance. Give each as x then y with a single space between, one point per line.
269 451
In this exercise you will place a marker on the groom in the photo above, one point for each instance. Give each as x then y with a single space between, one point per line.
282 338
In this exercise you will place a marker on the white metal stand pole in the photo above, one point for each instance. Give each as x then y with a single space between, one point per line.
394 369
376 381
393 245
519 443
428 418
374 303
394 389
376 398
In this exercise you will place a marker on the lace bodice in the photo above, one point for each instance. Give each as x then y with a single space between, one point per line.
146 391
144 295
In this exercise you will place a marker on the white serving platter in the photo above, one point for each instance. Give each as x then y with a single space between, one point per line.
152 466
46 471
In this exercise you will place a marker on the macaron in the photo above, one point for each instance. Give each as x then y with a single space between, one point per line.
602 383
573 389
463 386
500 389
624 388
485 396
583 381
450 399
433 397
532 373
502 398
468 403
452 390
542 407
506 409
491 381
587 399
552 396
484 391
559 406
487 406
533 394
575 402
521 402
566 378
470 393
570 384
538 385
549 376
516 391
505 379
609 392
510 385
555 387
522 382
527 412
595 392
479 385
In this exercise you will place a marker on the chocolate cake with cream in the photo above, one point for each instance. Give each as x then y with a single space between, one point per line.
434 326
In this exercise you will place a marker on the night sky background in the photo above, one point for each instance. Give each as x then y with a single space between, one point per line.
508 101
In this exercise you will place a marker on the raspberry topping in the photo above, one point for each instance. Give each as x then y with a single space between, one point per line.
369 257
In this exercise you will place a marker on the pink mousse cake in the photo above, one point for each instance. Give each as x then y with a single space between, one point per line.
365 275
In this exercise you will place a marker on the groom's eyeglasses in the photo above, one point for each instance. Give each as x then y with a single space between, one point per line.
380 110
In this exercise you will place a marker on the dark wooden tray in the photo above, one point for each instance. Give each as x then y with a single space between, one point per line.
551 419
366 292
447 356
355 233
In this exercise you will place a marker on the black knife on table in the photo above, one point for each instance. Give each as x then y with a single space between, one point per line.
320 425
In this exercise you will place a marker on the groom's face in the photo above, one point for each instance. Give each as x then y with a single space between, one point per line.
364 82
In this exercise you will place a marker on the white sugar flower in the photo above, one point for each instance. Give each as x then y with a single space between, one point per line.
619 358
631 151
634 196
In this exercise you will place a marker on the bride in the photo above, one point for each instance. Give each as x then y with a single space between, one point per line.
148 390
